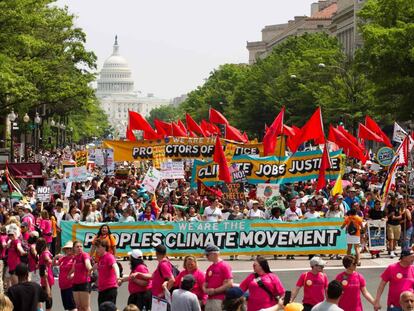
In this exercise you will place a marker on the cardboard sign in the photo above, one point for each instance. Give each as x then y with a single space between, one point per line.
57 186
43 194
76 174
152 179
233 191
89 194
172 170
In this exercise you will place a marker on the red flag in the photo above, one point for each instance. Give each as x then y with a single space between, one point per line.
350 137
350 149
177 131
138 122
210 128
216 117
193 126
374 127
313 129
163 128
152 135
276 129
220 159
295 131
181 125
365 133
325 165
191 134
130 135
233 133
288 131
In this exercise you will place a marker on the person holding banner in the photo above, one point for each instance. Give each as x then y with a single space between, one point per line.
219 278
353 284
80 274
264 287
314 283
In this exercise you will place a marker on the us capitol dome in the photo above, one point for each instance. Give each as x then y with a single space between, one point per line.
116 93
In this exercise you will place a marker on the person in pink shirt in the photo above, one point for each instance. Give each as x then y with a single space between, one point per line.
15 250
80 275
28 217
65 263
163 277
264 287
400 277
45 268
190 267
353 284
32 259
218 279
314 283
108 273
45 225
139 281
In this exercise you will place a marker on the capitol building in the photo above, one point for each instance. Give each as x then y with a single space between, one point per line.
116 93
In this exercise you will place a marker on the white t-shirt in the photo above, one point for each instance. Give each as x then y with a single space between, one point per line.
292 216
259 214
212 214
309 215
326 306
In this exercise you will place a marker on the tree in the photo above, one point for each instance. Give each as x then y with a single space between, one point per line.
388 56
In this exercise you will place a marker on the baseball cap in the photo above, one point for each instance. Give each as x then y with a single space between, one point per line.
160 249
211 248
24 224
135 253
317 261
234 293
406 253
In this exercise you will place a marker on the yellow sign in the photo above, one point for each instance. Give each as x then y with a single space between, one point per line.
81 158
183 148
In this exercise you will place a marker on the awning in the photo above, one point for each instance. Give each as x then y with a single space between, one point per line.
24 170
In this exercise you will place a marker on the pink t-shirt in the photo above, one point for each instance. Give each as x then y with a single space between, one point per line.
46 228
314 287
43 260
163 272
81 274
106 273
400 279
215 275
134 287
13 258
3 241
30 220
65 265
200 277
32 261
258 297
351 296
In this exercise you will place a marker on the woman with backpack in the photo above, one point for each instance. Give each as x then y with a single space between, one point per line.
353 224
45 267
139 281
264 287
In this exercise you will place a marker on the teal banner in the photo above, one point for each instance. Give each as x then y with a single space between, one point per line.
233 237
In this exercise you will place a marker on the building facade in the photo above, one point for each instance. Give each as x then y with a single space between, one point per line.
335 17
117 95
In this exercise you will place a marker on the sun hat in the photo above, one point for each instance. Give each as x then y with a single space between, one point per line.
68 244
135 253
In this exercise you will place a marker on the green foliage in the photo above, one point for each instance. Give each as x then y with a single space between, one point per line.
388 56
165 113
43 61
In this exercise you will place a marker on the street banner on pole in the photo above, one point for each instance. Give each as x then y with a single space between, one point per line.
234 237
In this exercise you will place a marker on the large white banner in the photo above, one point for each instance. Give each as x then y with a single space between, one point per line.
172 170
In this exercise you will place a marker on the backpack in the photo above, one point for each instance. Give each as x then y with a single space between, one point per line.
174 271
351 229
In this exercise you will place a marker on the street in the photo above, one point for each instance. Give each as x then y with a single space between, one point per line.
287 270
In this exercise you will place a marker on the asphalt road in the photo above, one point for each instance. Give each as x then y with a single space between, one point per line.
288 272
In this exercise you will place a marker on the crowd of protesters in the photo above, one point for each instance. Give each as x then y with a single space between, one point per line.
31 242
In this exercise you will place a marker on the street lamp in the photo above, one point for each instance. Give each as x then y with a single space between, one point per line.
63 134
26 120
37 121
12 118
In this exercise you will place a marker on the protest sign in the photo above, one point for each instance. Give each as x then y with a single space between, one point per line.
152 179
377 235
99 158
237 175
233 191
57 186
68 189
89 194
109 163
172 170
180 148
76 174
270 195
81 158
43 194
234 237
302 166
399 133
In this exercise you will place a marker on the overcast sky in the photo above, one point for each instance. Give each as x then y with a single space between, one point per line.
173 45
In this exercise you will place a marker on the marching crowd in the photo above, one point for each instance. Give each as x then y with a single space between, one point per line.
30 243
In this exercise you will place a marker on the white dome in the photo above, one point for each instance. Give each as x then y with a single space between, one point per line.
115 76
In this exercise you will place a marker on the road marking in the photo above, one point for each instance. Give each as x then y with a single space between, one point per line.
307 268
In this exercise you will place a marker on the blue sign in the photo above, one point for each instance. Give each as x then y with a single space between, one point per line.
385 156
